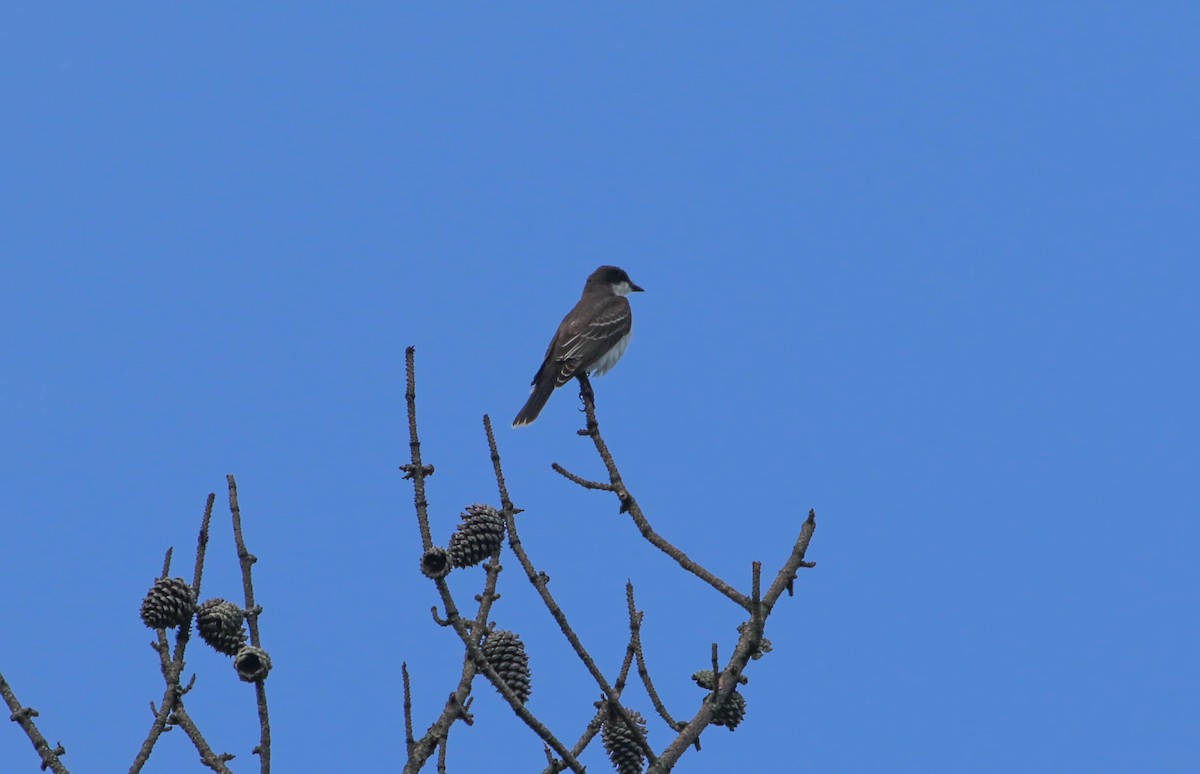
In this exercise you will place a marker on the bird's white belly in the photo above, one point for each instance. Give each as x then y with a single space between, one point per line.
609 359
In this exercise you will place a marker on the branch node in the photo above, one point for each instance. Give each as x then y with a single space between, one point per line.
410 470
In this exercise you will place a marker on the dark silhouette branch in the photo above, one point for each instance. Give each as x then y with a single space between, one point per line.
213 760
408 735
635 626
593 726
171 665
469 631
629 503
246 560
23 716
583 482
635 639
441 762
458 703
470 639
750 644
415 470
539 583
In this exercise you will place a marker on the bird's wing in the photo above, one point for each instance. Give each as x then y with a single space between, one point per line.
581 343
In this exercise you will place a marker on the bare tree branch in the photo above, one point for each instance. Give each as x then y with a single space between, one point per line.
23 717
470 632
539 583
415 470
629 503
749 643
247 560
456 707
635 621
583 482
470 640
456 704
635 639
214 761
172 666
408 735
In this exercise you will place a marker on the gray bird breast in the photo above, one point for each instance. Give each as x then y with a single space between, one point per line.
609 359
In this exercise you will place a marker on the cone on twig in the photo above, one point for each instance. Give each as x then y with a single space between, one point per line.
478 537
170 602
505 653
252 664
220 624
728 713
435 563
622 742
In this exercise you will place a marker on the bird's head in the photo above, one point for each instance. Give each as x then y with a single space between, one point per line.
613 279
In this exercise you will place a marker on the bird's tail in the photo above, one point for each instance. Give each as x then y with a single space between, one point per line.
543 385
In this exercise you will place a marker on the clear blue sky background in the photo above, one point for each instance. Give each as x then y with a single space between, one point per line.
932 271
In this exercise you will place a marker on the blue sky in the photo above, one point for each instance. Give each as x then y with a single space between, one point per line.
930 270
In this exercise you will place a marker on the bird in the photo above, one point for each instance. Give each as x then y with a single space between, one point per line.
589 340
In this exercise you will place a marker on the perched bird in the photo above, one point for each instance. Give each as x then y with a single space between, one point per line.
590 339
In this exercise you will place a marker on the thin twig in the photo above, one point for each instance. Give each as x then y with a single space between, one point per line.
749 643
171 666
539 583
634 644
593 726
211 759
795 560
456 707
408 736
23 717
202 545
416 471
465 633
629 503
583 482
247 560
589 733
716 670
643 672
441 762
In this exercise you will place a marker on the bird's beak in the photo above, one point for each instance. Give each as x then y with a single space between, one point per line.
635 287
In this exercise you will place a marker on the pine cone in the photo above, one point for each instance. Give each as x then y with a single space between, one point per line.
169 602
621 742
477 537
435 563
220 625
506 653
252 664
728 713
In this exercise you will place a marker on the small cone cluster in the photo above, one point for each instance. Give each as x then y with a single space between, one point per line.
728 713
